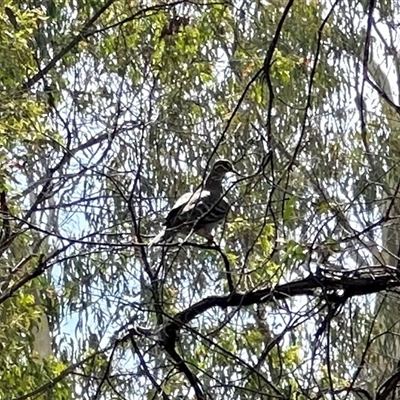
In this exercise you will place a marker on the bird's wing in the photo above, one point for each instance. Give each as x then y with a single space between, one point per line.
198 210
169 223
211 209
202 207
177 209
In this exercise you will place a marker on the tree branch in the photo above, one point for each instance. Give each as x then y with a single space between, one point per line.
352 283
358 282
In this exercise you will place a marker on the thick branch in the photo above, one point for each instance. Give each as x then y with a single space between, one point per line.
352 283
327 283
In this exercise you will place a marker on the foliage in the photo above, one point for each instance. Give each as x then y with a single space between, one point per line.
110 111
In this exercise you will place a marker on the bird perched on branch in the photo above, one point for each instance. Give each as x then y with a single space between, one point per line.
201 211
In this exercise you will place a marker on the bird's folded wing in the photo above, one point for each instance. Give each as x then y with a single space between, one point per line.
200 207
177 208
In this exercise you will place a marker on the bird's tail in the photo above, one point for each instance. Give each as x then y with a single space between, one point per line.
161 237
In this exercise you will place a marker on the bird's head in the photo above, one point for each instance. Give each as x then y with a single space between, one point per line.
220 169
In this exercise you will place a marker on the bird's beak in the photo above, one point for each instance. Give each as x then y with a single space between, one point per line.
236 172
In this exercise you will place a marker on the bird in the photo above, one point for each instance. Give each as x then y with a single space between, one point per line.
200 211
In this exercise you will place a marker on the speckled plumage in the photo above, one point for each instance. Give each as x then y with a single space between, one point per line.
200 211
